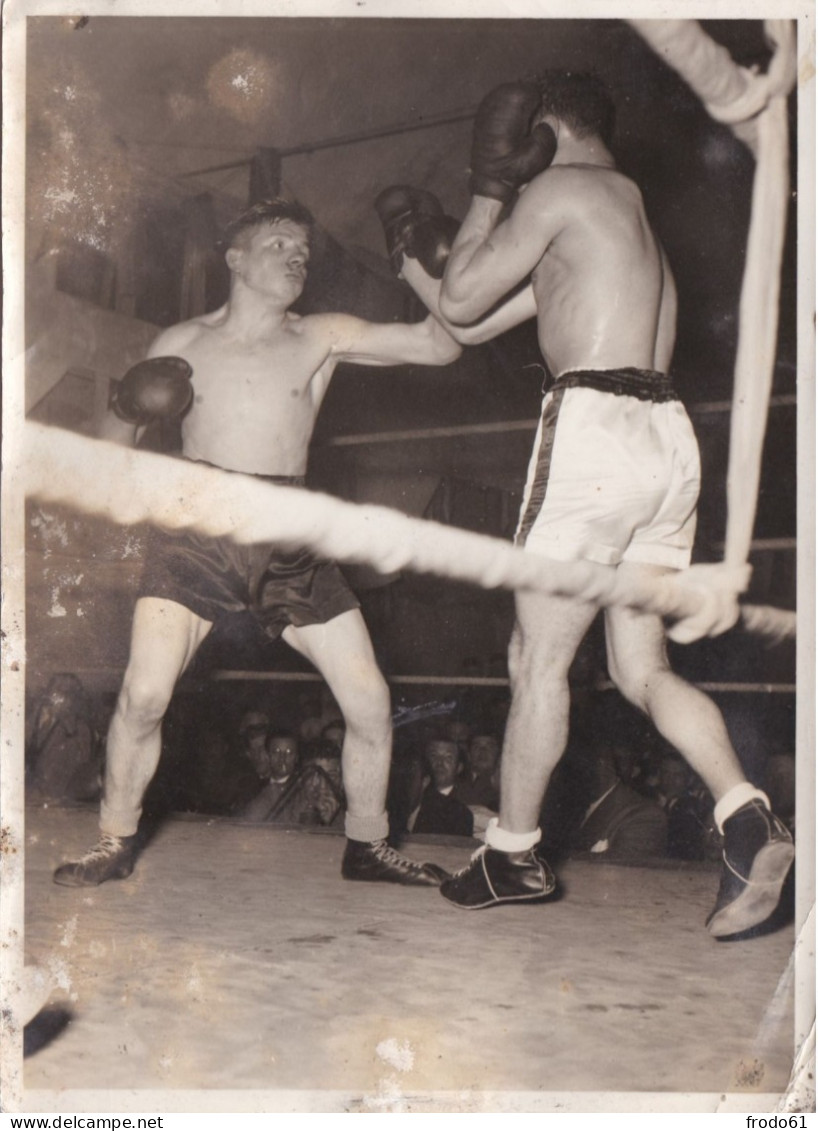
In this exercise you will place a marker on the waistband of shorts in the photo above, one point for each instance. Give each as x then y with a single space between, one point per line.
279 480
644 384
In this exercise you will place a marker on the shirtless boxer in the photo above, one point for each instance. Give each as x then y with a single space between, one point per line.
614 475
259 374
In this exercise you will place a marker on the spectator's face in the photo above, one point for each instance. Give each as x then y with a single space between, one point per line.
483 753
443 759
282 755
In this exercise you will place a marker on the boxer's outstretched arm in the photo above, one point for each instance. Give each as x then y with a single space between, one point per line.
520 307
387 343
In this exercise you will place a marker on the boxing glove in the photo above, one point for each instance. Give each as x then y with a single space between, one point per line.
415 225
506 152
155 389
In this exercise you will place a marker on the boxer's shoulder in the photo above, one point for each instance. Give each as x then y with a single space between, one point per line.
175 339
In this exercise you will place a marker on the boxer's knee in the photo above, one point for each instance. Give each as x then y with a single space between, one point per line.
636 680
366 704
142 702
538 659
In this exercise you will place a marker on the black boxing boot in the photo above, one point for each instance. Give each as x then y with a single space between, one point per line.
492 876
377 861
757 854
111 858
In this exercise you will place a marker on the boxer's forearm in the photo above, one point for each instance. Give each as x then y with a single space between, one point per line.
469 262
519 308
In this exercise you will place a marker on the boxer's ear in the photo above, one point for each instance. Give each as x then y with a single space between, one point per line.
232 258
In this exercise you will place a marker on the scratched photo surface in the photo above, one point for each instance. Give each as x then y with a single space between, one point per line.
226 962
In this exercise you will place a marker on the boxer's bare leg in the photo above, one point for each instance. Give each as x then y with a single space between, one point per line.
164 639
685 716
546 637
758 848
342 652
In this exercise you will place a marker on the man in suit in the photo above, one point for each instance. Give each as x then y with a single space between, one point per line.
618 821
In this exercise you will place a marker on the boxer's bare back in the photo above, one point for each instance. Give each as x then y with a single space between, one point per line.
603 293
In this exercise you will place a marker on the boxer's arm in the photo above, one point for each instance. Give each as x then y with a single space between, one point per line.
488 260
354 340
520 307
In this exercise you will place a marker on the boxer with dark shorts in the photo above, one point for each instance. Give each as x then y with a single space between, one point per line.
614 473
248 381
214 576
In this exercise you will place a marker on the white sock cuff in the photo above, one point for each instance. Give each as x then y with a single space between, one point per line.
367 828
118 822
505 841
734 799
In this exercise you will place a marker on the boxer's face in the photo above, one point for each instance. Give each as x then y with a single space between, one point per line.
272 259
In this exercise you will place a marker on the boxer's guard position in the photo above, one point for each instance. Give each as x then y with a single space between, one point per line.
614 475
250 378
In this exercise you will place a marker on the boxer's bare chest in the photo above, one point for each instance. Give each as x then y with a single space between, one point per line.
254 404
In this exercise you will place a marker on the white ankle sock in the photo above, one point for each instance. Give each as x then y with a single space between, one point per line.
734 799
505 841
367 829
118 822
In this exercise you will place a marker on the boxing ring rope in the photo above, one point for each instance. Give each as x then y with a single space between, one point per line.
755 106
128 487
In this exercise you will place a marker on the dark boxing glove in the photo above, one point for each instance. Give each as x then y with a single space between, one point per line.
506 152
415 225
155 389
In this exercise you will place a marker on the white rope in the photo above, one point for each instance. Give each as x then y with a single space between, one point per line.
731 94
128 487
756 106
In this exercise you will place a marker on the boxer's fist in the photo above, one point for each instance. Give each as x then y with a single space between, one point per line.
506 152
156 389
415 225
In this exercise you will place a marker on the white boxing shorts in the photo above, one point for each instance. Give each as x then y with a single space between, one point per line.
614 475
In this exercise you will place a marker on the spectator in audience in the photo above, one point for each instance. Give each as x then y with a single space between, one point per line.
440 812
65 754
332 737
477 785
618 821
416 804
275 764
316 796
691 832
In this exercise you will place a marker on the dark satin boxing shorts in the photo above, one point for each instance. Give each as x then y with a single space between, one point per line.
213 577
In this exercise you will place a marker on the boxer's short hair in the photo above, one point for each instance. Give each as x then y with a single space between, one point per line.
263 213
579 99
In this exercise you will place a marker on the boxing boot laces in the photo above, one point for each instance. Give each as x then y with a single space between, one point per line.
378 861
492 876
756 857
111 858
